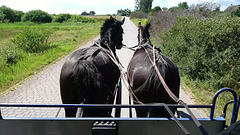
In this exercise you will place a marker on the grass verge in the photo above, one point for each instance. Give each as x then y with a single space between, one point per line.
136 21
66 38
203 96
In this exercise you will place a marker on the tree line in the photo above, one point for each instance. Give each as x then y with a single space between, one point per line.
9 15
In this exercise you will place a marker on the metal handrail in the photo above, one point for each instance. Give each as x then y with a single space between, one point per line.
1 115
234 103
225 108
156 105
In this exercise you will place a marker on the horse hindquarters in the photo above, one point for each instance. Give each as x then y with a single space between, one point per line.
152 90
68 95
83 83
171 77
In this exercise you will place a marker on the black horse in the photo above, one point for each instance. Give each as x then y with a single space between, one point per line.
143 78
90 75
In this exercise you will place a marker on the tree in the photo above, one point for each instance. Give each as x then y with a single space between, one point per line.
8 14
164 8
92 13
18 16
62 18
143 5
2 16
237 12
137 4
157 8
125 12
183 5
206 6
37 16
84 13
206 9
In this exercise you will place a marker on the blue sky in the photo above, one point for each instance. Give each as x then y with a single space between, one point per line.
99 6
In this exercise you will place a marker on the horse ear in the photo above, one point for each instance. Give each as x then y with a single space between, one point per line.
139 25
111 17
148 25
123 20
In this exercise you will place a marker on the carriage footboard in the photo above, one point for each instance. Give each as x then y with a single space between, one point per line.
106 126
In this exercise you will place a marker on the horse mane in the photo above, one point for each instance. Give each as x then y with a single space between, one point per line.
146 33
107 25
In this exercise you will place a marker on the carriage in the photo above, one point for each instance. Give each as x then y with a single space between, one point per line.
117 125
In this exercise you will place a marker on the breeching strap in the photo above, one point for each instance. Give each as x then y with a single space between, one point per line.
198 124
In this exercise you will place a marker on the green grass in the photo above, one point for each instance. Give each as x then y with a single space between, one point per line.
66 37
203 96
136 21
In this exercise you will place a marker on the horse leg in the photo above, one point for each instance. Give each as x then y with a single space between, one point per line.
69 97
70 112
79 113
142 112
96 112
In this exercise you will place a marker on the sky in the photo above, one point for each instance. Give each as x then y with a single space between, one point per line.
99 6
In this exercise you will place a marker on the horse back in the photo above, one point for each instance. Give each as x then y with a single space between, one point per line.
144 80
138 68
99 58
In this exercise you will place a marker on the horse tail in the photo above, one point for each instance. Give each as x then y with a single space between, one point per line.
151 84
86 77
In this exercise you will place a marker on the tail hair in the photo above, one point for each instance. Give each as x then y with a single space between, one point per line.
87 76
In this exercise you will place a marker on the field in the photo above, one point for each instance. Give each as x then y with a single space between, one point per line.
16 63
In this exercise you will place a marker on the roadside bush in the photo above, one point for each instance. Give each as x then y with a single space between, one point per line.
205 9
37 16
33 40
206 50
11 54
237 13
138 14
162 21
61 18
78 18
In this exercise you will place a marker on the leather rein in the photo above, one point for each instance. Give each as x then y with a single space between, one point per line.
174 97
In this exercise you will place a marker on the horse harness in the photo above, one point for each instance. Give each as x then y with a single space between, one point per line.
174 97
110 54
